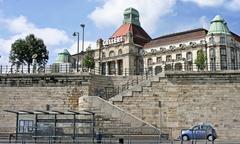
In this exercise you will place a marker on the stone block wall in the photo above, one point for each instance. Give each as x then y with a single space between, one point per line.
177 103
36 98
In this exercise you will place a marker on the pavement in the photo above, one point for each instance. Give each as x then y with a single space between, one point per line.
127 140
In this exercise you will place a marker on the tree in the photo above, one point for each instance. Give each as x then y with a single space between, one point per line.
201 59
88 60
22 51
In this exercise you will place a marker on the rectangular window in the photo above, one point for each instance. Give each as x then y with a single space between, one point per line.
149 61
168 58
222 40
159 59
212 53
25 126
211 40
178 56
189 56
223 54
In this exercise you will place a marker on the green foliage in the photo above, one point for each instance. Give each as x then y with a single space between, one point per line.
88 60
201 59
22 51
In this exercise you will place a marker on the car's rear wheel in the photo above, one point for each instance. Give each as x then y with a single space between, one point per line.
210 138
185 138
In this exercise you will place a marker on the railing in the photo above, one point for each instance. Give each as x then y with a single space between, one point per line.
55 68
128 126
206 67
48 134
106 135
113 91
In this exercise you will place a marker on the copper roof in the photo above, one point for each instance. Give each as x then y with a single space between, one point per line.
139 35
177 37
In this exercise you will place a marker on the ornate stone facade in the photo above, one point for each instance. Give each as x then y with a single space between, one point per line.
179 51
131 51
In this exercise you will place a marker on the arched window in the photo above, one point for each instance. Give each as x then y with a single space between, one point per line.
111 54
119 52
168 67
158 69
149 61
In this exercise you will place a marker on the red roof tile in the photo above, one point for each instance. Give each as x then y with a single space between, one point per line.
177 37
139 35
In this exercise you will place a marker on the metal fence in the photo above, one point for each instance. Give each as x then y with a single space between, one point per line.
84 135
195 68
154 69
107 135
54 68
112 91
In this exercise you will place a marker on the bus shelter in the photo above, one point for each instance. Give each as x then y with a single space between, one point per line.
53 125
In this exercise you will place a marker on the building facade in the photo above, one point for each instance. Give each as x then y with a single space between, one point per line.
121 53
131 51
179 51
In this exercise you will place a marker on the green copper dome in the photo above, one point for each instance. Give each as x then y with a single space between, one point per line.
218 26
63 57
131 16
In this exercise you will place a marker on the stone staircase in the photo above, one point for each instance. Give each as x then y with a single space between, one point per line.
139 87
113 120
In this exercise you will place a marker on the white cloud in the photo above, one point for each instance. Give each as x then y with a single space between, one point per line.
20 27
110 13
202 3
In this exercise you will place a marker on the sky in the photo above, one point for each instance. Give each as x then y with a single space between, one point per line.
54 21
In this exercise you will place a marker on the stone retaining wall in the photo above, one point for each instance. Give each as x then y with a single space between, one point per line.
182 100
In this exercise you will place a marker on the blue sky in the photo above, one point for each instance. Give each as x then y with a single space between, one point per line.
55 20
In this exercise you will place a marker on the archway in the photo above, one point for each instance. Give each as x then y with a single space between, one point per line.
158 69
178 67
168 67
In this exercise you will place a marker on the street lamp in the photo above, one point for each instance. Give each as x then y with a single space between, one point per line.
83 26
77 34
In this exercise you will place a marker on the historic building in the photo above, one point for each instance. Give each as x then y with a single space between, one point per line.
121 53
179 51
130 50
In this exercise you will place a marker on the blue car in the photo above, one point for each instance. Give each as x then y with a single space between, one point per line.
200 131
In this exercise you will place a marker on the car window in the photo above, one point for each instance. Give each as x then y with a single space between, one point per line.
206 127
196 128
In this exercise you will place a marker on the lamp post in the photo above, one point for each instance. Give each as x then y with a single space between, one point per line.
83 26
77 34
